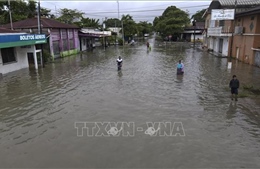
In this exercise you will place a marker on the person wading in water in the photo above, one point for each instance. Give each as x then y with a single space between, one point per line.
180 67
119 63
234 85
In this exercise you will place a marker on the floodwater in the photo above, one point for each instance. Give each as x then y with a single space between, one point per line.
39 110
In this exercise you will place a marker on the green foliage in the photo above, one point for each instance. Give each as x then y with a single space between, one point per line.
120 41
70 16
46 13
198 16
243 94
172 21
143 28
46 55
248 87
88 23
129 26
252 89
20 9
113 22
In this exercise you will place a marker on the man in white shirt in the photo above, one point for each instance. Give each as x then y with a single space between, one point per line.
119 63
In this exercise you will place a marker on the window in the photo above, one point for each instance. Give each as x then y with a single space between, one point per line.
65 44
221 23
72 44
252 18
8 55
56 48
212 24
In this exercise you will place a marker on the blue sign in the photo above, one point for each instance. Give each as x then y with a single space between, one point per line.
21 37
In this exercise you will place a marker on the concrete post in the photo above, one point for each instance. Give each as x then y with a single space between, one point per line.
35 58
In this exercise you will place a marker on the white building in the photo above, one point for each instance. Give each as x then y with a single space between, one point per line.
219 33
17 50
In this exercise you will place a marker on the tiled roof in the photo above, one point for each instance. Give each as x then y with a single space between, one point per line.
45 22
255 10
239 2
4 30
230 4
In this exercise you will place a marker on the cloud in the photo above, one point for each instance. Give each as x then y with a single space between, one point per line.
139 10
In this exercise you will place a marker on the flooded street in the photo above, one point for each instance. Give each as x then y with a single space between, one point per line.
39 109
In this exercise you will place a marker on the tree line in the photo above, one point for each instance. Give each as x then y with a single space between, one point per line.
172 21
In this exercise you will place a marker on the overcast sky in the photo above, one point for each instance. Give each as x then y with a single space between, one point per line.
140 10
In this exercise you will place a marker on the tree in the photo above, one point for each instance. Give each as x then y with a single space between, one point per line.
20 9
70 16
46 13
172 22
113 22
88 22
198 16
144 27
129 26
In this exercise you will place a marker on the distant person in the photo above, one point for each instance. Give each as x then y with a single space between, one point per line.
119 63
234 85
148 45
180 68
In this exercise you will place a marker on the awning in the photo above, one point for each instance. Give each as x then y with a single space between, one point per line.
21 40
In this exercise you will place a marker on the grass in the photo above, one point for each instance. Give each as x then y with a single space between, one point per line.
247 91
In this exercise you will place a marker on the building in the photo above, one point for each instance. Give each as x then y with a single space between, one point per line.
62 40
18 50
219 33
89 38
188 33
246 44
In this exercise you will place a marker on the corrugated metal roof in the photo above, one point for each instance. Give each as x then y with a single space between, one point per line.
239 2
45 22
255 10
4 30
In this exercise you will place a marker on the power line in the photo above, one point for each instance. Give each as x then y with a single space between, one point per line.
152 10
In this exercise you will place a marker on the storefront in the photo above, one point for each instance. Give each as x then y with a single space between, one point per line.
17 48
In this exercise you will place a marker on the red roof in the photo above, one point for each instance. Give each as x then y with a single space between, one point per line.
4 30
45 22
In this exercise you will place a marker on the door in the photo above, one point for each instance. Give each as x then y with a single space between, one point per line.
220 46
257 58
30 59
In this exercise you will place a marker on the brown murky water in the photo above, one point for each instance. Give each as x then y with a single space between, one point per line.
38 111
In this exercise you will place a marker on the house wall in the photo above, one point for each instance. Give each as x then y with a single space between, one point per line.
246 23
83 44
21 61
257 31
243 44
225 46
76 39
64 42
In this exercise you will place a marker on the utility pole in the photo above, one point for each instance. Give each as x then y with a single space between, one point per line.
122 26
39 18
232 34
123 31
40 31
103 25
116 33
194 29
10 14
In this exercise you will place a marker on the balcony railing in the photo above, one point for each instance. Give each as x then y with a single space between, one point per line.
219 31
